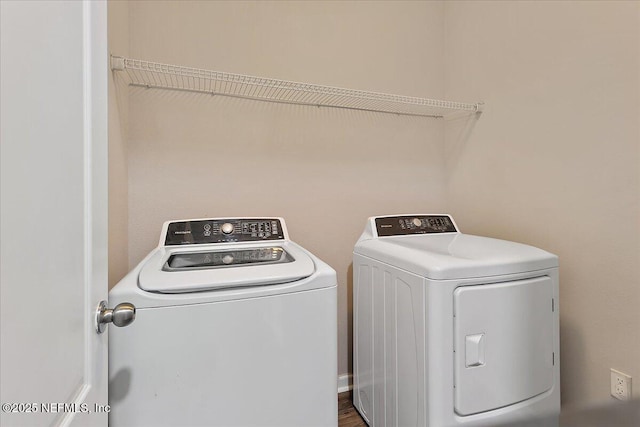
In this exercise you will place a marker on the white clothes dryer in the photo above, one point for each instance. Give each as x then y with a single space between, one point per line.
452 329
235 326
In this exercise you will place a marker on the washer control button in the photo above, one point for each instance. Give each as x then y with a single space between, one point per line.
417 222
227 228
227 259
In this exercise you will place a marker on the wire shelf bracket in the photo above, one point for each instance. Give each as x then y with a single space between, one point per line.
163 76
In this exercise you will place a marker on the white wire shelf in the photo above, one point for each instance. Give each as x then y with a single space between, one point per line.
164 76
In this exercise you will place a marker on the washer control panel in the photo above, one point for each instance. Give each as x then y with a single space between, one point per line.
203 231
417 224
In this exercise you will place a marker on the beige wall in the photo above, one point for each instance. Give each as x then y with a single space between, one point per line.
554 161
118 39
324 170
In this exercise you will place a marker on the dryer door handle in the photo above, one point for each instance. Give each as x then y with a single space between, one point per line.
474 350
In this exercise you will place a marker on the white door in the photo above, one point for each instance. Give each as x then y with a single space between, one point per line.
54 212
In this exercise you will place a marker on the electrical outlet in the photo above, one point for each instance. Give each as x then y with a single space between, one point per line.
620 385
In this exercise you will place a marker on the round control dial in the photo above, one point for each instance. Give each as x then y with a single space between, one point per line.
417 222
227 228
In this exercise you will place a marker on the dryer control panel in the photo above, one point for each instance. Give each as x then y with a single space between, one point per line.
223 230
414 224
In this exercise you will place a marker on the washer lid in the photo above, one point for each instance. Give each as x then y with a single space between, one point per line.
208 267
455 255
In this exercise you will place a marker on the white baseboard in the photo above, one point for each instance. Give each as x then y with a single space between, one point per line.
345 383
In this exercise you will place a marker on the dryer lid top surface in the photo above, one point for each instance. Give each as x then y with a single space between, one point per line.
456 255
209 267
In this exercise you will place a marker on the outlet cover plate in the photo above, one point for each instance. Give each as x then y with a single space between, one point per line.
620 385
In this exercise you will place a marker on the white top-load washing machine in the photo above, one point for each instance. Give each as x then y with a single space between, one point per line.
452 329
235 326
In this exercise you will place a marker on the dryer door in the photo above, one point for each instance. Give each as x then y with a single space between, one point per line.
503 343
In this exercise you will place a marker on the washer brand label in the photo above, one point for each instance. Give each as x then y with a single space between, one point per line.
182 232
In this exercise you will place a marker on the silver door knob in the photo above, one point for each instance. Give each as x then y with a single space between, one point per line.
122 314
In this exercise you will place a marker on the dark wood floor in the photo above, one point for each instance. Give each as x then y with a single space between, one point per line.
347 414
